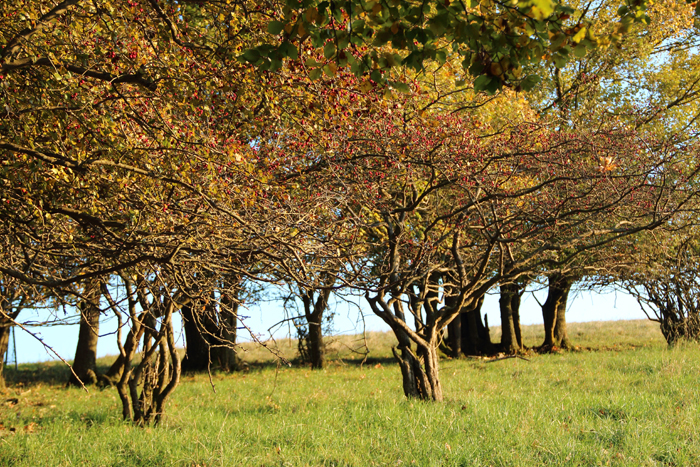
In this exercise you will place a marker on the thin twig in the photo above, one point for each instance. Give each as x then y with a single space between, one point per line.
506 358
46 346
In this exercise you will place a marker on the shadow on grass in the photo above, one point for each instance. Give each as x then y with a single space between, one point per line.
57 373
51 373
258 365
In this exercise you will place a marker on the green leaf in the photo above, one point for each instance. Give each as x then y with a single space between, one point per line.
275 27
580 51
251 55
329 50
399 86
557 41
482 82
529 82
287 49
382 37
315 74
439 24
559 60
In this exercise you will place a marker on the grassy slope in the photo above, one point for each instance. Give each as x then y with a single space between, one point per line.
637 404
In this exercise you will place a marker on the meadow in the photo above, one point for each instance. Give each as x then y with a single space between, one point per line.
622 399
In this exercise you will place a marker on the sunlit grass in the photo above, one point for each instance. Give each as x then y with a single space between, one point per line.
635 406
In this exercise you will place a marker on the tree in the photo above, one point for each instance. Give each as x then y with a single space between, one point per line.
443 210
85 361
211 331
495 42
150 303
665 282
554 311
14 296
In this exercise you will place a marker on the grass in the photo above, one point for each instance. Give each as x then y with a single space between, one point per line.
638 405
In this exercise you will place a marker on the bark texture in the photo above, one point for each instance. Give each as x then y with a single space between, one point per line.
85 361
314 311
197 328
419 371
210 332
476 337
511 340
561 336
5 329
554 312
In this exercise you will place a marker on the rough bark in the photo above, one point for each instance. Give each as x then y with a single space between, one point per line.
454 332
197 356
315 305
509 306
419 369
476 337
561 336
420 374
316 345
5 329
211 333
515 307
85 361
112 376
557 294
224 354
313 310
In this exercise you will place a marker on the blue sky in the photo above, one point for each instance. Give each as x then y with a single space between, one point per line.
583 306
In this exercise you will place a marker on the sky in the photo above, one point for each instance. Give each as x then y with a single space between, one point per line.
583 306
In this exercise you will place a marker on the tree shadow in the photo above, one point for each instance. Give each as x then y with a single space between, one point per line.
50 373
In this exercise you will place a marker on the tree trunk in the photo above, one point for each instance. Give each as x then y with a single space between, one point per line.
197 356
224 354
454 330
420 375
515 307
211 334
476 339
5 329
557 295
85 361
316 345
561 337
419 372
313 311
509 335
112 376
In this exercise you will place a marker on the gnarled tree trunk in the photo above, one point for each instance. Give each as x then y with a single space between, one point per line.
224 354
211 331
554 310
511 340
5 329
85 361
314 310
561 336
419 370
454 333
476 337
199 326
158 372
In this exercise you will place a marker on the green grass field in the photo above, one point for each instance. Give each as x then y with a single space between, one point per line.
625 399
